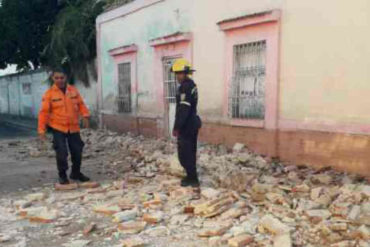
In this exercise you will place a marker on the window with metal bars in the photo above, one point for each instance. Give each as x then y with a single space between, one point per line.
124 88
247 92
169 80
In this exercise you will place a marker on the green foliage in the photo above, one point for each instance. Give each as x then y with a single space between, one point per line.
51 33
73 38
25 28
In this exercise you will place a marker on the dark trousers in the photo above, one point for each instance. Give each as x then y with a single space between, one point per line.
75 146
187 152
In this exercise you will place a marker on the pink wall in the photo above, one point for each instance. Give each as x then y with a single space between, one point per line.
127 54
252 29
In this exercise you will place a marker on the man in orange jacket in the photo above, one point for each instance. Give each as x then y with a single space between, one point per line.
61 107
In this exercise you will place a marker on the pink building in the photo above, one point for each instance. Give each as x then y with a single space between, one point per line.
288 78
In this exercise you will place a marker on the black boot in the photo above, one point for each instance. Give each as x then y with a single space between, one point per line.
187 182
79 176
63 178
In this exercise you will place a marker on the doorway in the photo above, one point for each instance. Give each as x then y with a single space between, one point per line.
170 88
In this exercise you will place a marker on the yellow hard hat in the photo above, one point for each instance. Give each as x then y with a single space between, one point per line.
182 65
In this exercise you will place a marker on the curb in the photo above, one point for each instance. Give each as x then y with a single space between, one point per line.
20 125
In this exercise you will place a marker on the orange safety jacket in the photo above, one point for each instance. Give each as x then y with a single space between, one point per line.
61 110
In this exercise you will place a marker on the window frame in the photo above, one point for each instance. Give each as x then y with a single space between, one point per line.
249 29
236 70
119 91
27 85
126 54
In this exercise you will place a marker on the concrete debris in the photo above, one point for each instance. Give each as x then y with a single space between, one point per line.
245 200
363 232
273 225
134 242
39 214
21 204
283 240
77 243
5 238
89 229
125 216
175 168
318 215
238 147
160 231
132 227
218 229
214 207
209 193
179 219
35 197
240 241
107 209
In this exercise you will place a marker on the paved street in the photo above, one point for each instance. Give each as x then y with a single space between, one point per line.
18 174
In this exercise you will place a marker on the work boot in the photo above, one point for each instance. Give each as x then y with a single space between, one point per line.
80 177
63 179
187 182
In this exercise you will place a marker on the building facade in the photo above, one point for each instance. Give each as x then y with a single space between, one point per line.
21 93
287 78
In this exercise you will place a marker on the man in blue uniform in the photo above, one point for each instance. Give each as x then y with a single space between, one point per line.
187 122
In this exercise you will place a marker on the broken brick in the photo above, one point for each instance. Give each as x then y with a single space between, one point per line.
363 232
214 207
153 218
318 215
132 227
152 203
233 213
66 187
303 188
240 241
215 231
338 227
133 242
40 215
89 185
188 209
107 209
215 241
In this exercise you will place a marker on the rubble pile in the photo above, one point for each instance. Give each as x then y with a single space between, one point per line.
245 200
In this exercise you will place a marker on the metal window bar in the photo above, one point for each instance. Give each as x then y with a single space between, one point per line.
124 88
247 92
170 84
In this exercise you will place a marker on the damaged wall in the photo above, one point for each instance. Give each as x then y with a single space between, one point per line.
322 87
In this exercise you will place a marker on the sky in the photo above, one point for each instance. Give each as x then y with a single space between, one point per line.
9 70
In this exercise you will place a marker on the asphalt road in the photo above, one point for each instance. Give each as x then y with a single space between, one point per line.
18 174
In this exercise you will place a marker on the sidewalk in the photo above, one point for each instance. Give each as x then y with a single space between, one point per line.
19 122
